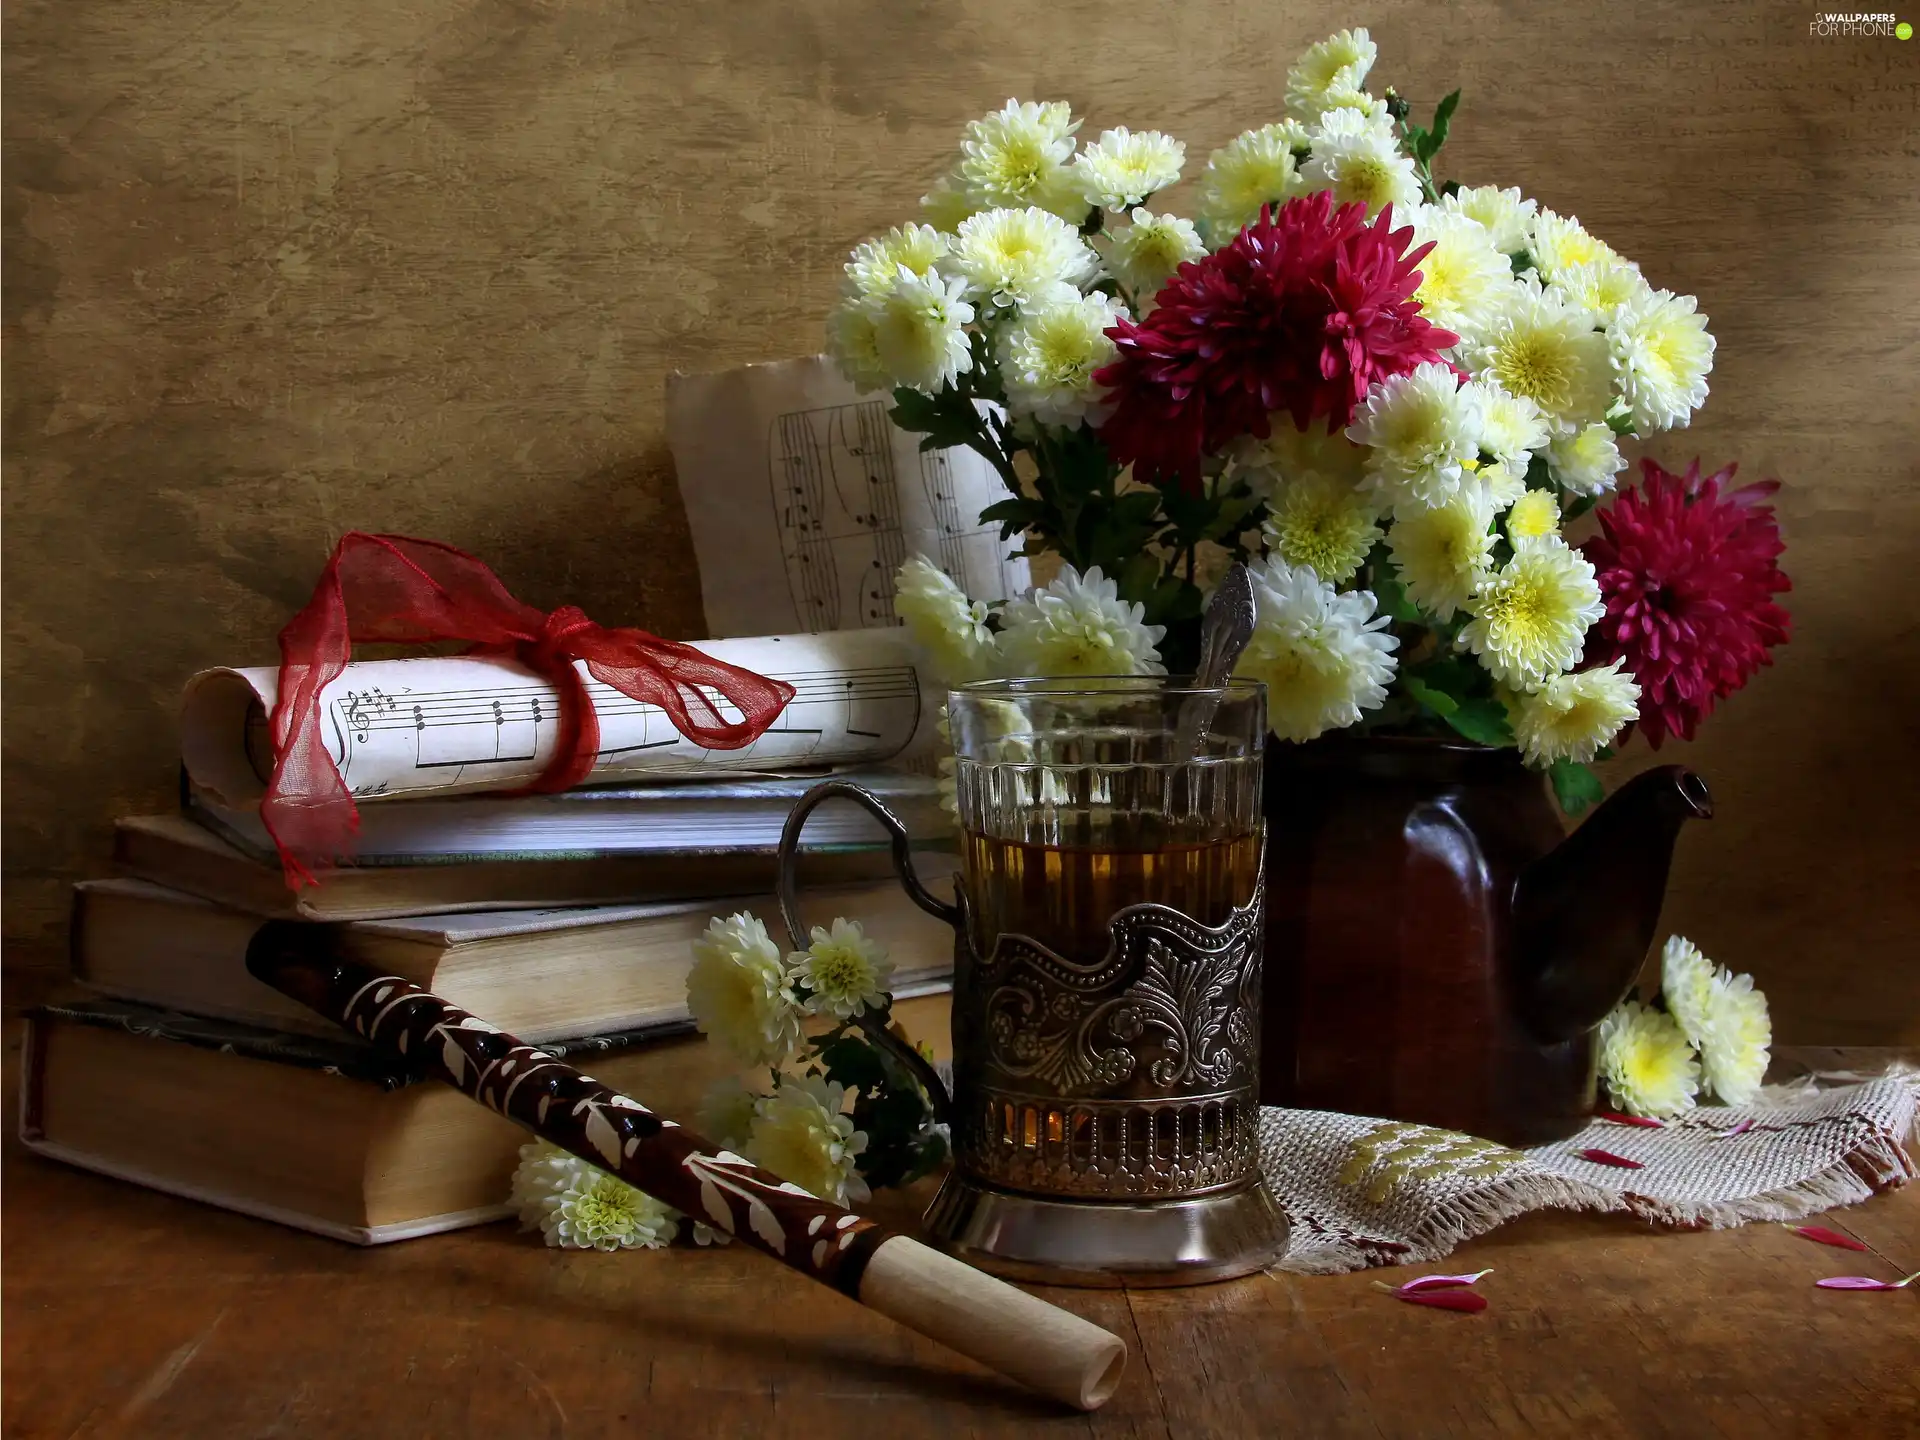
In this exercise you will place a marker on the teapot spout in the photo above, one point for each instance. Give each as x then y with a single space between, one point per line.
1585 914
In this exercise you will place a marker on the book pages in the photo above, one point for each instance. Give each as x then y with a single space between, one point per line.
460 724
804 499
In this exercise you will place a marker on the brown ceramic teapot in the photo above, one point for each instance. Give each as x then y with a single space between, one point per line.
1437 949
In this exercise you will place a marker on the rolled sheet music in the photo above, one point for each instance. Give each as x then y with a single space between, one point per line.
459 724
1044 1347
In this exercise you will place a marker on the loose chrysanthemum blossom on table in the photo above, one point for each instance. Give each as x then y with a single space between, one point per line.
1395 386
1709 1020
577 1206
801 1135
842 973
738 992
1647 1065
1735 1050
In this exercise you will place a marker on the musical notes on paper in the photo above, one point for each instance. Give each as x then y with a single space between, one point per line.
803 499
464 723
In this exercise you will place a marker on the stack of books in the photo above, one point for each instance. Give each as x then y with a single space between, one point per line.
566 919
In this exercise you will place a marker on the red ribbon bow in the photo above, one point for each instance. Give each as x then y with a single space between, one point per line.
387 588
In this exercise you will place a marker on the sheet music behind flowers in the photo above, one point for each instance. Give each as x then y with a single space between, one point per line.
803 499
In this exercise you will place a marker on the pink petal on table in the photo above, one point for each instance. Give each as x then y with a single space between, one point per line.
1469 1301
1740 1129
1643 1121
1439 1282
1607 1157
1827 1237
1865 1282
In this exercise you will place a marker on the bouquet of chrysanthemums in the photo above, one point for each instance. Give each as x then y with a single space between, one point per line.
1390 394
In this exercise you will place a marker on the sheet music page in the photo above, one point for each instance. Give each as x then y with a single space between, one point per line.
803 500
456 724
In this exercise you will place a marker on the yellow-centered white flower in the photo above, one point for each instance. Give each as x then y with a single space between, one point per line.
919 330
1647 1063
1288 453
1569 717
1123 167
1339 62
1464 280
947 204
726 1112
1507 215
845 973
1514 428
1079 625
799 1134
1144 254
1600 287
1735 1051
1559 242
1586 461
1662 352
877 263
578 1206
1530 617
1323 523
1253 169
1048 356
1423 433
853 343
1019 156
949 630
1686 982
738 994
1539 347
1534 513
1011 258
1358 161
1324 655
1443 552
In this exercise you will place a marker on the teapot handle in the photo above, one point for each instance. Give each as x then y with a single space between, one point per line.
873 1026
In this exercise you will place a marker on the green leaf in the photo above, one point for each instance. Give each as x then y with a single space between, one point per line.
1442 119
1575 786
850 1060
1578 507
1438 701
1483 720
1620 424
1138 577
946 420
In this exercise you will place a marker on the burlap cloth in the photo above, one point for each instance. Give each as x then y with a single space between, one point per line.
1363 1192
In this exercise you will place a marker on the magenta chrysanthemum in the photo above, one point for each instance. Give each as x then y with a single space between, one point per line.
1304 311
1688 575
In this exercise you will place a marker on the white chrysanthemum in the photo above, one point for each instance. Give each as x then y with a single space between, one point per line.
1289 452
1326 524
1586 461
1423 432
1734 1052
1339 62
1534 513
1443 552
1600 287
1569 717
1647 1063
1359 161
854 345
1506 214
1048 356
1123 167
1144 255
1662 352
1539 347
1464 280
1559 242
1018 156
1251 170
1022 257
1530 617
948 629
1514 428
846 973
578 1206
1370 107
877 263
919 330
947 204
1079 625
1686 982
737 991
726 1112
800 1135
1324 656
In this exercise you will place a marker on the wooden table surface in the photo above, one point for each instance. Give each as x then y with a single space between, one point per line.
129 1313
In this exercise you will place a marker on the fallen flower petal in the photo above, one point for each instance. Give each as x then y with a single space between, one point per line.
1645 1122
1607 1157
1740 1129
1469 1301
1865 1282
1440 1282
1827 1237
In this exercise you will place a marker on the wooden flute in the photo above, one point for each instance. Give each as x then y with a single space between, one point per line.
1044 1347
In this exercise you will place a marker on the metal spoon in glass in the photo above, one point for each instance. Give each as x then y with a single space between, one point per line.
1224 632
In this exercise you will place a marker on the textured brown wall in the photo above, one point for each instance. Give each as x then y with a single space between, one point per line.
277 270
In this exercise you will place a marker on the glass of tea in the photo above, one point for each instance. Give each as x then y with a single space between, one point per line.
1107 981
